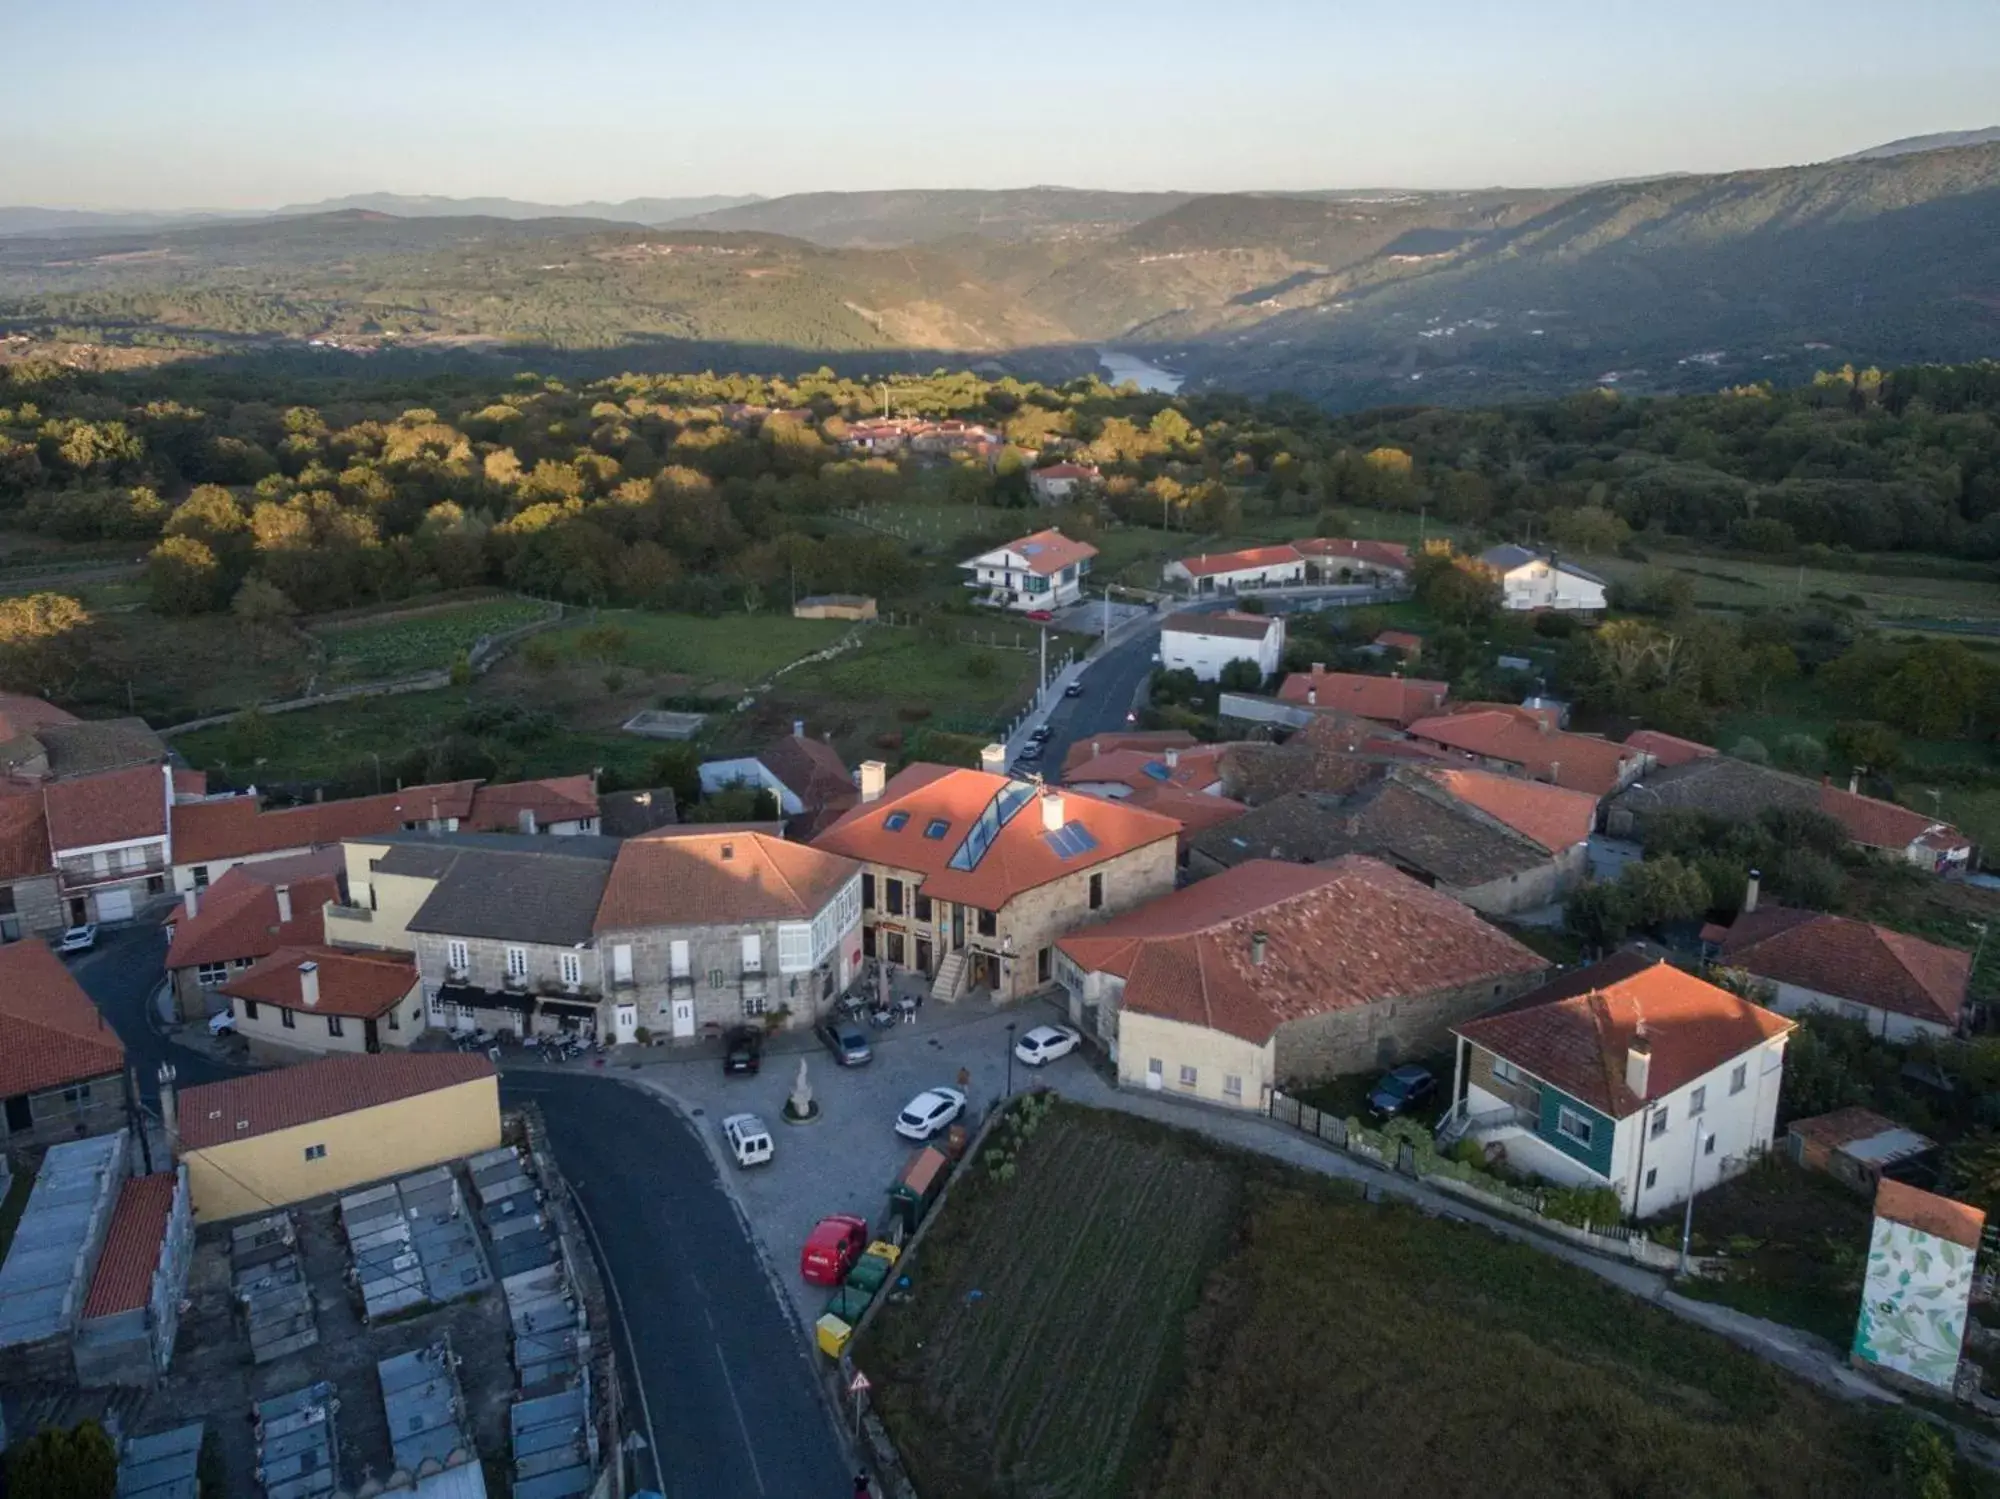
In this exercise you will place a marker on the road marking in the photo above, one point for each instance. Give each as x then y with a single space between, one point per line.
632 1348
741 1424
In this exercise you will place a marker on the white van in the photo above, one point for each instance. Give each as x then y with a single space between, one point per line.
748 1140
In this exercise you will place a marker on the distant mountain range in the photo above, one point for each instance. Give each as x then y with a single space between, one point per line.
1946 141
1351 298
630 211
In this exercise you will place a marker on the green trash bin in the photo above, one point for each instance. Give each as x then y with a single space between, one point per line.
848 1303
869 1274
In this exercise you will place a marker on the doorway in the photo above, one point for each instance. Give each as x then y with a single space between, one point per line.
924 956
625 1023
79 911
957 928
683 1020
20 1118
370 1039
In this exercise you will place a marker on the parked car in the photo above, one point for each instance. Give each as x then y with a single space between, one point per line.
1075 689
1045 1043
742 1049
1403 1091
847 1041
1032 750
1039 734
749 1141
929 1112
222 1023
1041 615
832 1248
79 938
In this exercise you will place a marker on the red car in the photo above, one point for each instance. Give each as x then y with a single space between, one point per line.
832 1248
1042 614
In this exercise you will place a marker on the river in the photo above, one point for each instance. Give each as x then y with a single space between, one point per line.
1123 367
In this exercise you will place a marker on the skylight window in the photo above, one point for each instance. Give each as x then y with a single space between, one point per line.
938 827
1158 771
895 822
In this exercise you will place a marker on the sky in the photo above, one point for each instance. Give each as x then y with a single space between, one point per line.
244 104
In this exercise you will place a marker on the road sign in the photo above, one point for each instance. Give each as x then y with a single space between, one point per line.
857 1384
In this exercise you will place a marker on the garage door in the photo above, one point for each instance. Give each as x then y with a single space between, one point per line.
114 905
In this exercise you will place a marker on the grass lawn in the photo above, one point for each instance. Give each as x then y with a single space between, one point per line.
1063 1341
1347 1097
1738 583
736 650
419 640
926 667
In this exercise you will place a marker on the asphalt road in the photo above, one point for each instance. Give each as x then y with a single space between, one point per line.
1110 685
728 1379
121 975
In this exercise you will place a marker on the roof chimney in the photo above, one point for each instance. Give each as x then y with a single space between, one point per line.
1260 944
309 984
1854 781
993 759
193 903
1173 759
1052 811
170 1106
1639 1063
284 894
525 818
798 728
1750 893
873 775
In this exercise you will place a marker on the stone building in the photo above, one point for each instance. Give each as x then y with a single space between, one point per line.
62 1069
251 912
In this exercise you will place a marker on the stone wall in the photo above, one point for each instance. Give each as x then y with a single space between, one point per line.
98 1109
712 950
1036 918
38 907
1388 1031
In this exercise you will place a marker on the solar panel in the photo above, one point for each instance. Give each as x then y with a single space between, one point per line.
1158 771
1070 840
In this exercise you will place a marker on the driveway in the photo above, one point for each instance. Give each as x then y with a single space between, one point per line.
1609 856
122 974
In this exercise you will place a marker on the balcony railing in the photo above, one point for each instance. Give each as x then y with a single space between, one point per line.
350 913
81 874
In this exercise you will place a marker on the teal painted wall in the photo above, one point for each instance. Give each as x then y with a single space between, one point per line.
1597 1154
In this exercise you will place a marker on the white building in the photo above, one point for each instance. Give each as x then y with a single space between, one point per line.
1901 987
109 840
1205 643
1061 481
1278 566
1038 572
1630 1075
1528 580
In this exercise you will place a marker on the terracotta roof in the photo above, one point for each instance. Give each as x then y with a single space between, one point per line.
1878 824
1394 700
363 985
1941 1217
1574 1033
1193 810
1578 761
237 916
695 878
498 809
1350 549
1046 552
237 827
21 716
1853 960
24 835
1402 640
1337 936
1064 471
1195 768
123 1280
117 807
811 769
1666 749
1154 740
1724 786
1845 1126
1211 563
263 1102
1333 754
1552 816
1228 623
50 1032
1022 855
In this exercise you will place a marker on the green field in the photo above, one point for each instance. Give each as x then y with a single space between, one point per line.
1134 1313
1731 582
419 640
734 651
929 666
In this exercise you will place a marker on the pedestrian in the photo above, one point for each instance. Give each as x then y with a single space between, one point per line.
964 1079
862 1489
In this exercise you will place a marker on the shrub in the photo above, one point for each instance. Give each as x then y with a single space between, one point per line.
981 666
1469 1153
1802 753
541 654
1752 750
1578 1206
461 670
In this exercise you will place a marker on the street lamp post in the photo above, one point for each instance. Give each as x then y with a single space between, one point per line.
1010 1059
1687 1218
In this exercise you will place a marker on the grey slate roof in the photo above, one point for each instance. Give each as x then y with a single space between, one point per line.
508 887
100 744
1506 558
1719 785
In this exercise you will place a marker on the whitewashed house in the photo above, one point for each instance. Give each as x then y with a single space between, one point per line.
1038 572
1529 580
1205 643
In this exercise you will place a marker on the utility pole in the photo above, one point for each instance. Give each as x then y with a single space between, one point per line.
1042 681
1687 1219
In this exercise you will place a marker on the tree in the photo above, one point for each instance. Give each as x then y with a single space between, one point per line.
183 577
262 608
1458 590
1242 676
46 643
1865 745
80 1463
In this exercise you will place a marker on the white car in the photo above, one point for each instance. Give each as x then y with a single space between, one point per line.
79 938
1045 1043
748 1140
222 1023
929 1112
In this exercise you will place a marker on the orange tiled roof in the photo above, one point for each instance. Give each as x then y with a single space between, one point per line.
1193 810
498 809
237 916
264 1102
1021 856
1210 563
1853 960
1552 816
361 985
50 1032
1666 749
24 835
1878 824
1195 768
1047 552
20 715
238 827
1154 740
811 769
1348 549
1578 761
1396 700
694 877
1402 640
1574 1033
1339 935
119 806
1941 1217
123 1280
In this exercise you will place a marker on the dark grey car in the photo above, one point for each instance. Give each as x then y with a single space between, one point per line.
846 1040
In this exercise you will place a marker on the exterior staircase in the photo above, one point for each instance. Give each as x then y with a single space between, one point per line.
950 980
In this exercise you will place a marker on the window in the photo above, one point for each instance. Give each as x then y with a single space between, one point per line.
894 891
892 947
572 968
201 877
1738 1078
922 908
1232 1087
334 1027
868 892
315 1152
208 975
1154 1067
1506 1072
937 827
795 947
288 1020
1573 1126
1188 1076
1708 1145
989 924
1045 965
677 959
1652 1175
80 1094
455 955
1660 1121
517 962
715 977
753 1005
868 942
1096 892
753 952
249 1009
395 1021
895 822
1697 1100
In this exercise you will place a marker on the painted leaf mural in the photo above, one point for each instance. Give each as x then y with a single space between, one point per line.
1913 1303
